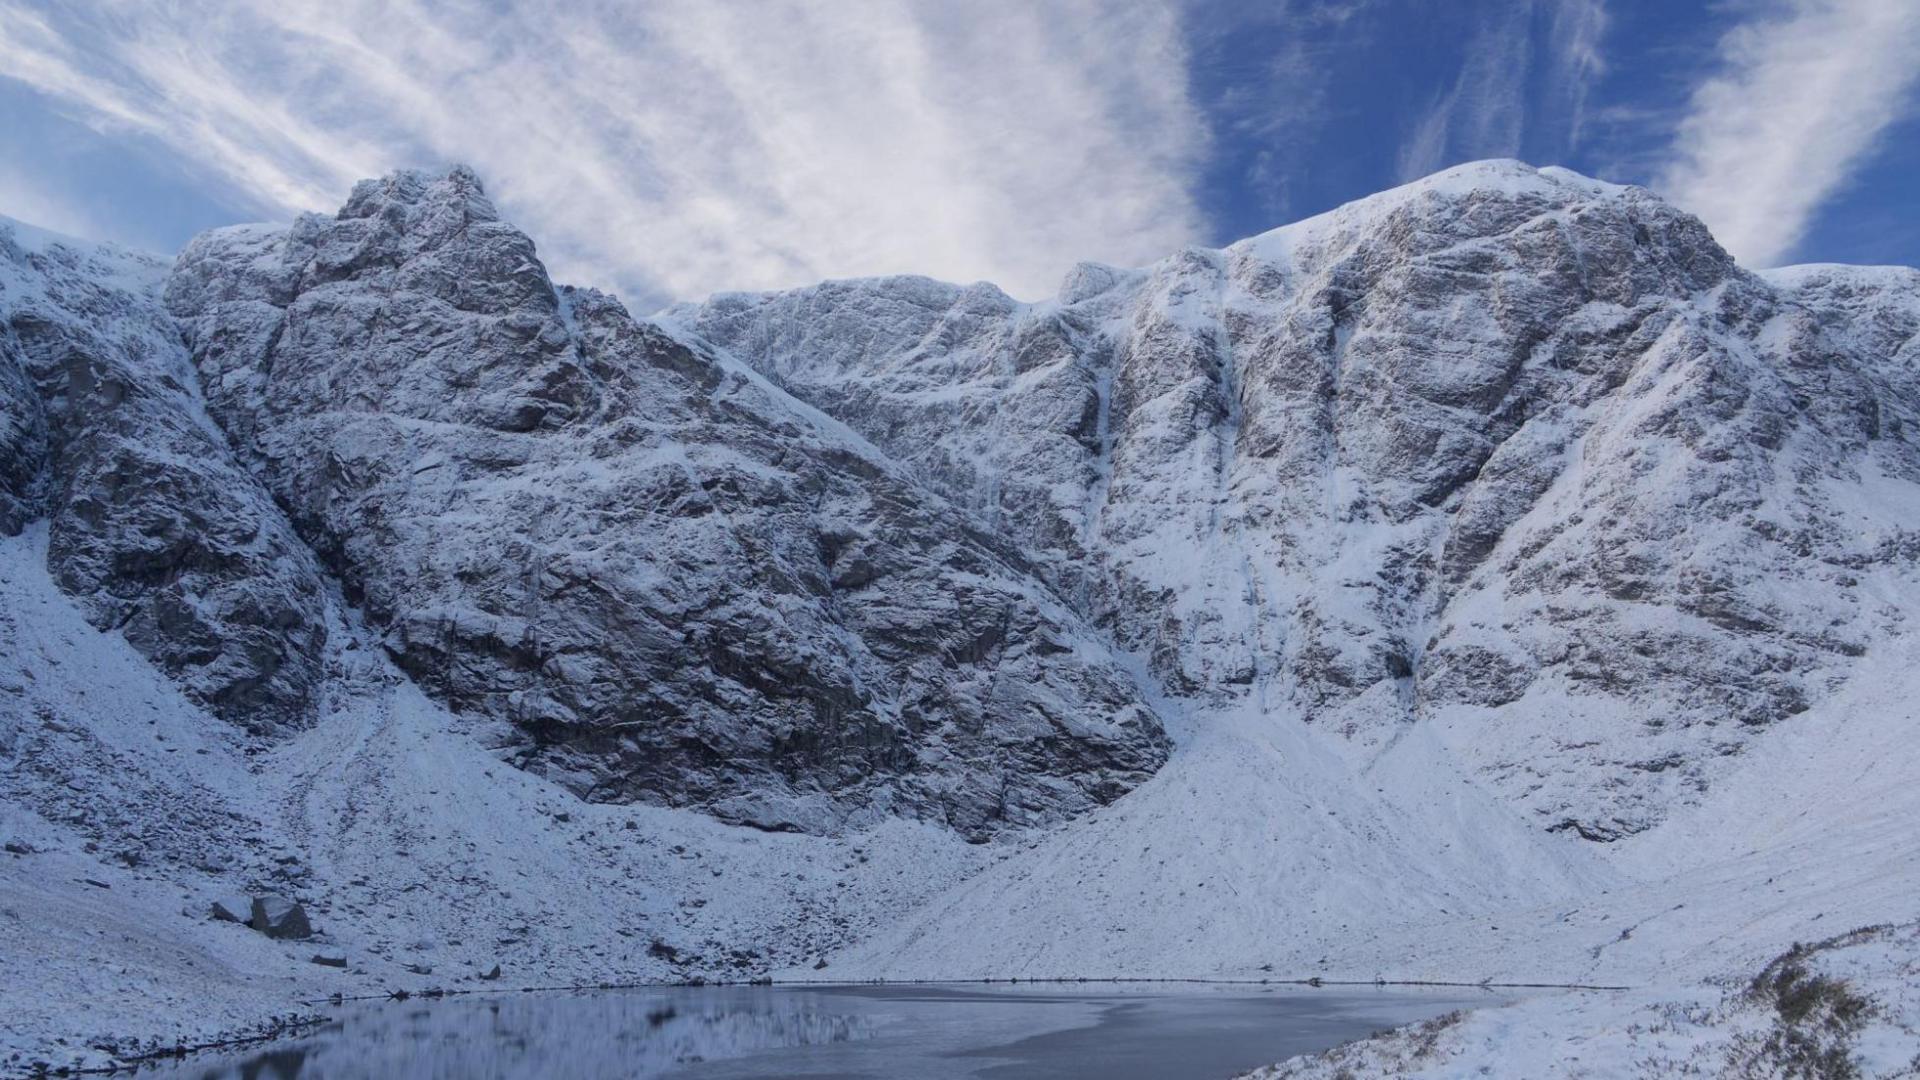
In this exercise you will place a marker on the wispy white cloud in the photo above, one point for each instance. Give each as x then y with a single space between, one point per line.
1577 30
681 146
1481 114
1804 94
1527 60
1285 99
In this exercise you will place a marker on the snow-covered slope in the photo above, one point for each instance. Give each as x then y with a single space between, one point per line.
1485 580
1255 854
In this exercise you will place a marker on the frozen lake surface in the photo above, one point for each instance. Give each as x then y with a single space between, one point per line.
1023 1032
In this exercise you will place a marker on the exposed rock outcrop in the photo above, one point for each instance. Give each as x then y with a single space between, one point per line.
676 582
153 525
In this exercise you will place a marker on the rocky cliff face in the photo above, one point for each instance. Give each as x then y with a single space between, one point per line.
676 583
153 526
1508 451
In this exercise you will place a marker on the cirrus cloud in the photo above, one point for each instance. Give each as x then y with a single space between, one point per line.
678 147
1528 64
1802 98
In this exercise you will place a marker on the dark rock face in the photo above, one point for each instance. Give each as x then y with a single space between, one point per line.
279 917
153 526
677 583
1506 451
23 442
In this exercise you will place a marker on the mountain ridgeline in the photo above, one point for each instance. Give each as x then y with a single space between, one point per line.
1508 452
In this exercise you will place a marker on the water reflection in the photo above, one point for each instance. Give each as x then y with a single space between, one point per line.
1029 1032
598 1034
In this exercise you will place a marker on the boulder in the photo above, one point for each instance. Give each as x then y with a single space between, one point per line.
278 917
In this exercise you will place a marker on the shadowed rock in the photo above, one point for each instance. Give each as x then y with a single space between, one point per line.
153 527
279 917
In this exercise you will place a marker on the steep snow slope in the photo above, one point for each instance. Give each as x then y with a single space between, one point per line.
1257 849
1230 864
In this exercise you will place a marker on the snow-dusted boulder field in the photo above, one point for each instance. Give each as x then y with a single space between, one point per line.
1488 579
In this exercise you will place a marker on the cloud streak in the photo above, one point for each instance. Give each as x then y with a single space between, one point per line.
1527 61
1799 105
679 147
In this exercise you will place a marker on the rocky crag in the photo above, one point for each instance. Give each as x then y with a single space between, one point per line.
674 582
1507 450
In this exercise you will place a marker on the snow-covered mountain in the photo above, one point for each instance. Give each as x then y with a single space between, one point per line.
1488 578
673 581
1509 453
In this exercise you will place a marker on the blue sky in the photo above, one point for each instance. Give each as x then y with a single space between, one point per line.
670 148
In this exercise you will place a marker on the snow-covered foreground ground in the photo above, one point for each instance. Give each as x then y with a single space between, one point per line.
1844 1007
